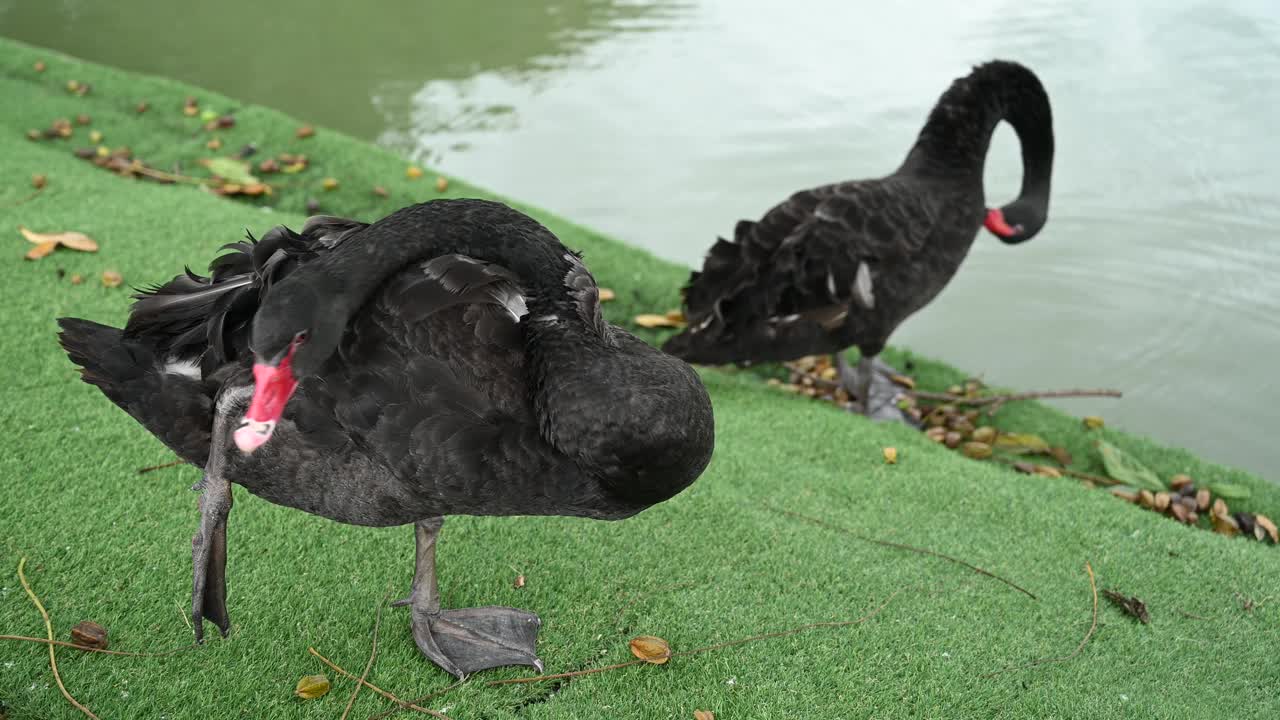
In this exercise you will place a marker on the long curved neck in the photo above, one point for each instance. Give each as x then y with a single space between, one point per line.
955 139
485 230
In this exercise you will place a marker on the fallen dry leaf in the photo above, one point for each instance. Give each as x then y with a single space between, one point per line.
39 66
111 279
606 295
305 131
95 136
311 687
977 450
904 381
142 107
1130 604
83 119
651 649
1061 455
268 166
413 172
41 249
1262 524
1093 422
329 183
1022 442
76 278
519 581
89 634
650 320
891 455
703 715
1048 471
442 184
38 181
1224 525
214 144
380 191
73 240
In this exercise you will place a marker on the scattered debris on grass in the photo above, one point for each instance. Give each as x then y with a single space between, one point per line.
380 191
39 180
142 107
310 687
607 294
719 646
900 546
1093 626
304 132
329 184
442 183
413 172
48 626
890 455
1093 422
1130 604
39 66
703 715
89 634
111 279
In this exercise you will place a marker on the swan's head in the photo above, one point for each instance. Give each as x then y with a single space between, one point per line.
294 333
1016 222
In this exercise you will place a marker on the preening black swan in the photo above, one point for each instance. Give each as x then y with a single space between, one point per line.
844 264
450 358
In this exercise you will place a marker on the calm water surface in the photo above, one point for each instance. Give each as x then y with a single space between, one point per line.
664 122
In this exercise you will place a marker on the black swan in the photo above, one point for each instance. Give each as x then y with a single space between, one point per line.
450 358
844 264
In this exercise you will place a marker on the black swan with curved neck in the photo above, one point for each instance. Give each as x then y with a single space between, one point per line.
845 264
450 358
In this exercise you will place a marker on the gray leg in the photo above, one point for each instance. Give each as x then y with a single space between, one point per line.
209 545
857 382
466 640
876 394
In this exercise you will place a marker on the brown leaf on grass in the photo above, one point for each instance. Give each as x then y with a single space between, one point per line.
1126 493
891 455
904 381
214 144
41 249
703 715
73 240
89 634
442 183
311 687
142 107
653 650
380 191
39 180
1061 455
305 132
111 279
39 66
413 172
1048 471
519 583
1130 604
607 294
83 119
76 278
268 166
977 450
1224 525
650 320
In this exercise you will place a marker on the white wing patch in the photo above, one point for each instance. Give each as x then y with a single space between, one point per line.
185 368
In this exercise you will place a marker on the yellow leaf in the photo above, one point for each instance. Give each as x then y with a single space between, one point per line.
657 321
293 168
41 250
304 132
1264 522
676 316
1048 471
651 649
412 172
311 687
606 295
703 715
904 381
1093 422
111 278
442 184
1022 442
74 240
891 455
329 183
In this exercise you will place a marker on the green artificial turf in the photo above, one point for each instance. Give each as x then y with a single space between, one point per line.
718 562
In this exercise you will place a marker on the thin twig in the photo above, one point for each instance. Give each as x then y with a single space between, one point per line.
1097 479
377 623
909 548
24 200
1011 397
1093 588
145 470
406 705
48 626
162 175
375 688
87 649
1192 616
709 648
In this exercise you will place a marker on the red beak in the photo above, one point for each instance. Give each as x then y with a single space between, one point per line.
272 388
996 223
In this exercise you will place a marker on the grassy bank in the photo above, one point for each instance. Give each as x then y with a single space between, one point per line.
717 563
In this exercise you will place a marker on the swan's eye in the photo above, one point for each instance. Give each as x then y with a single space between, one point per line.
300 337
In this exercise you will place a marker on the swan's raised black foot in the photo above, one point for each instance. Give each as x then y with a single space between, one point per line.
473 639
874 394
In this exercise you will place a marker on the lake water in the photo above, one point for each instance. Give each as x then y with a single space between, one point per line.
662 123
